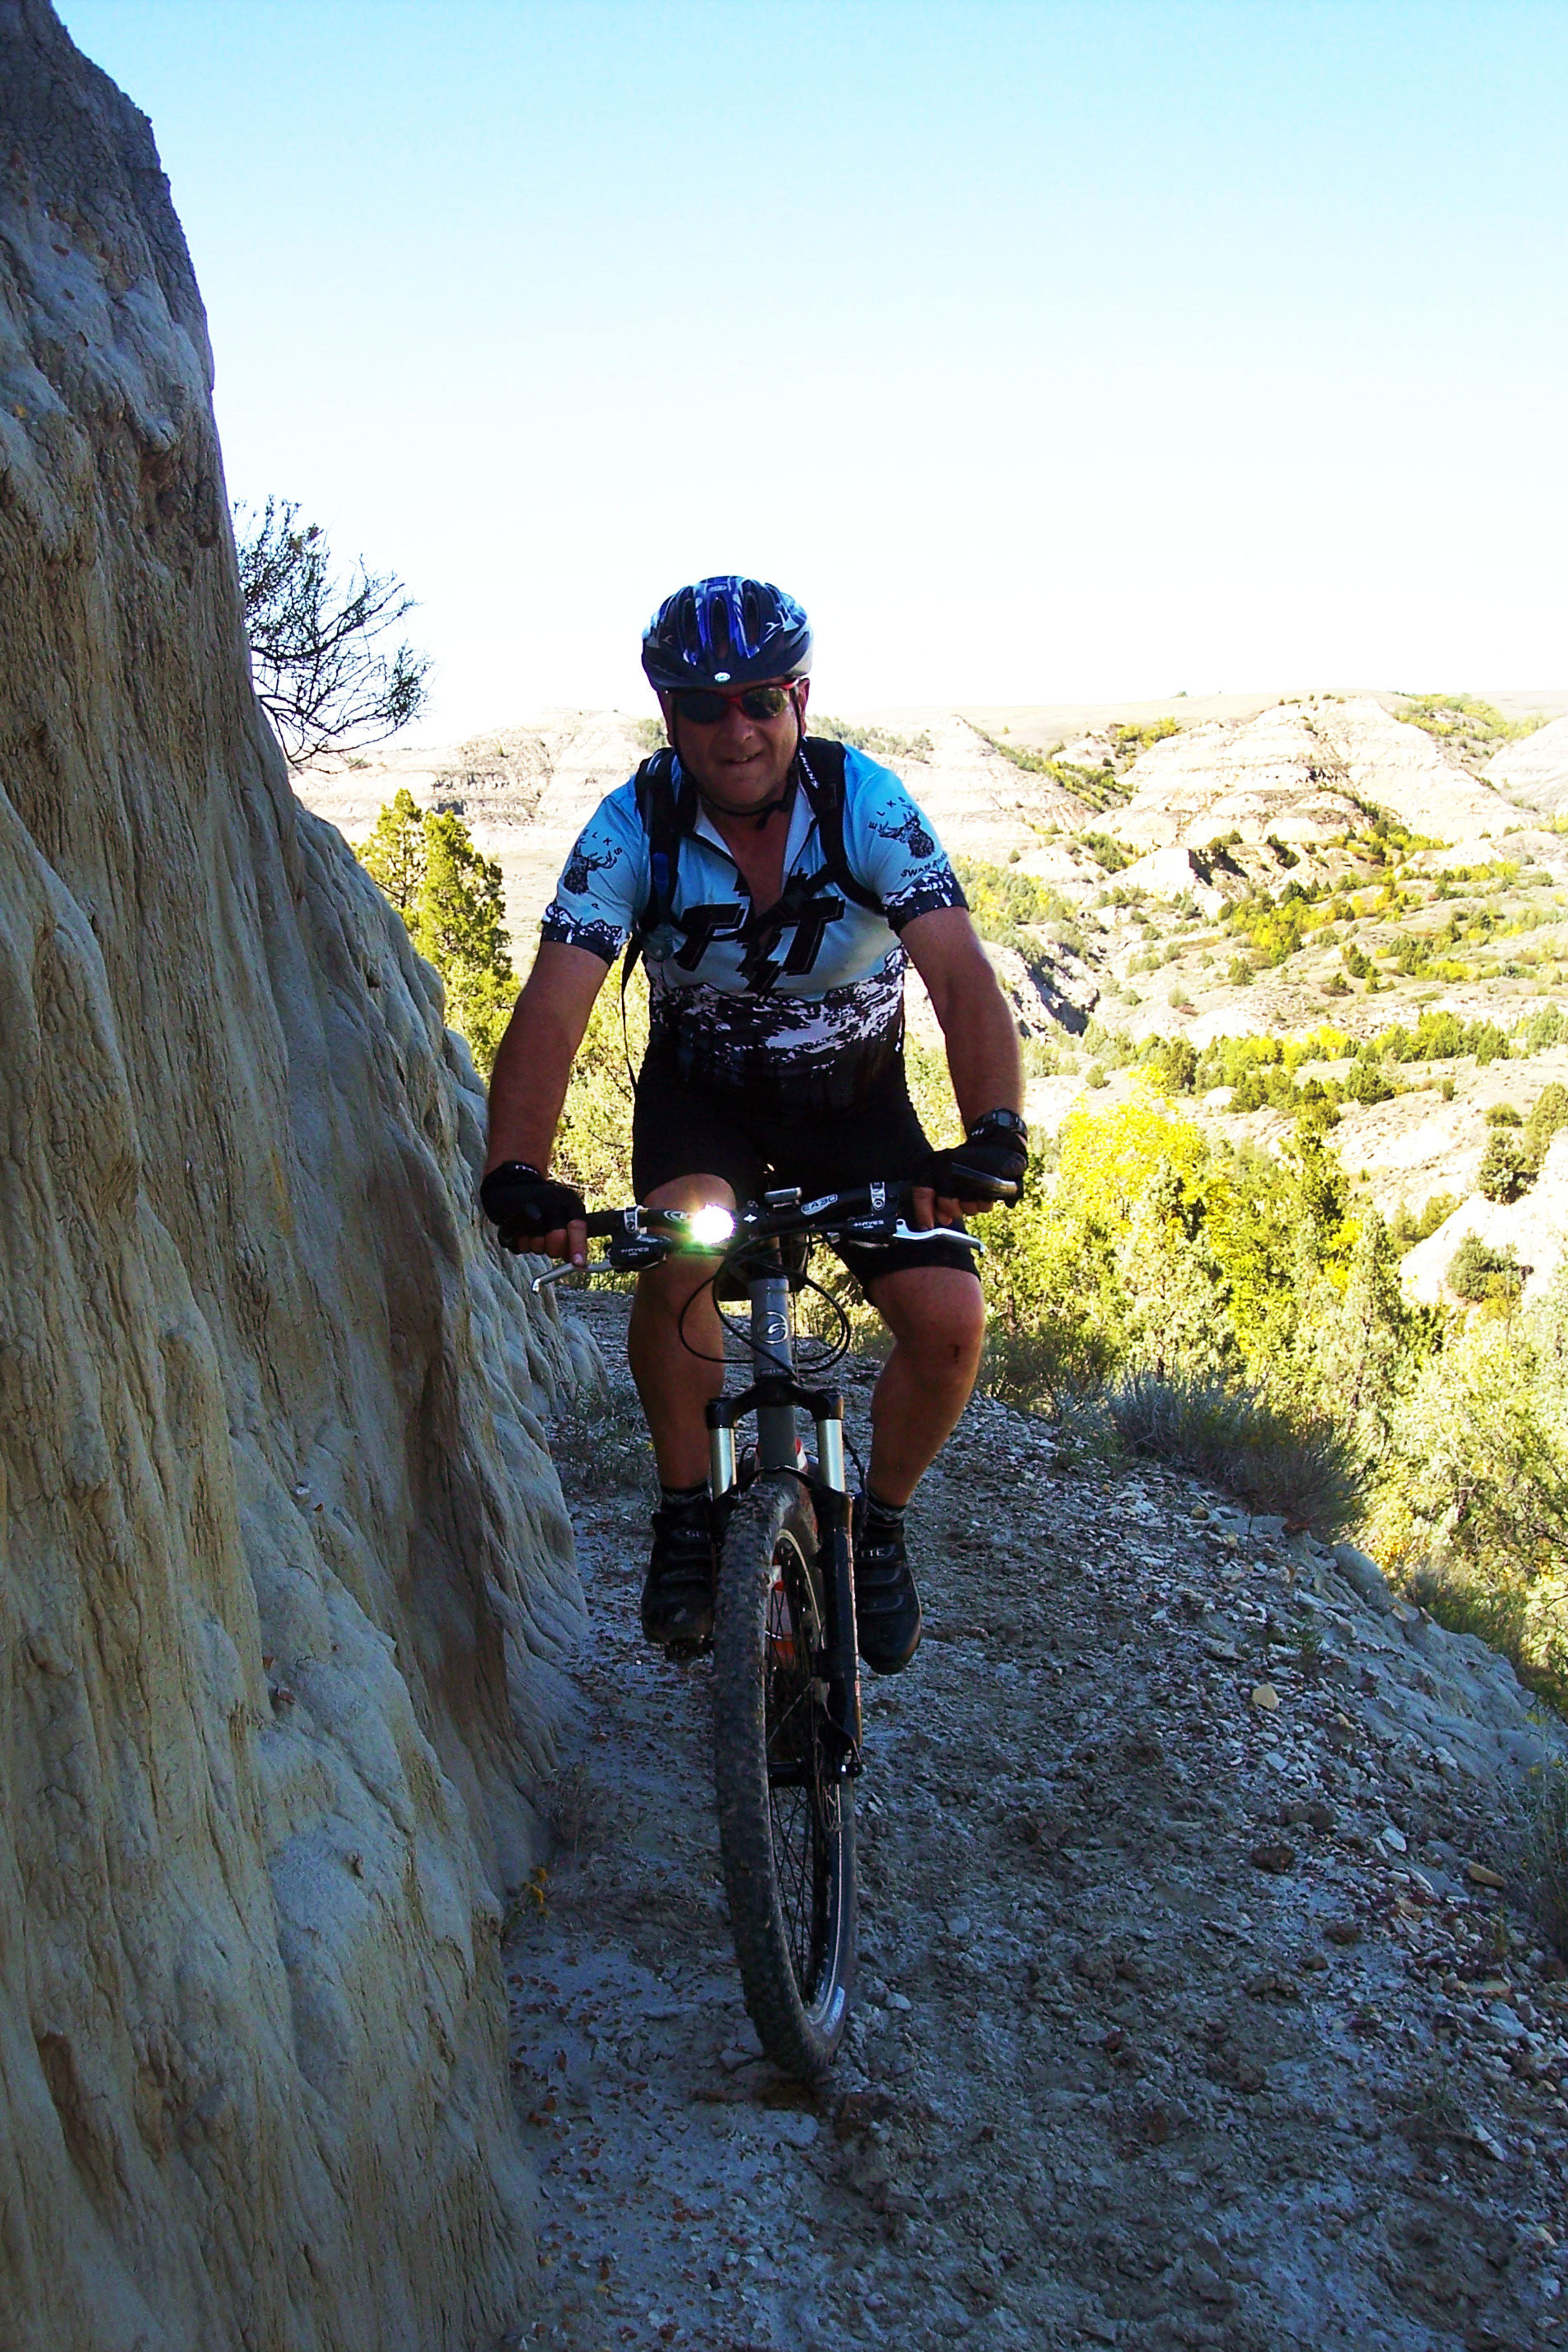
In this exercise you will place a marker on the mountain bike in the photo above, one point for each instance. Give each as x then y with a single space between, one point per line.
787 1685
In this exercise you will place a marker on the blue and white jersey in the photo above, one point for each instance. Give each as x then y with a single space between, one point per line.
801 1003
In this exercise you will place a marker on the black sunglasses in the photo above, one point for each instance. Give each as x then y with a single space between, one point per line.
705 707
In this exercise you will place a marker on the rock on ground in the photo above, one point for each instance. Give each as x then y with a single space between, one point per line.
285 1577
1200 2001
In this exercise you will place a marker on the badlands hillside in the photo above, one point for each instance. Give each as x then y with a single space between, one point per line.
1137 856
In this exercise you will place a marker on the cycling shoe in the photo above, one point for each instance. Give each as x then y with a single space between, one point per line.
887 1620
678 1592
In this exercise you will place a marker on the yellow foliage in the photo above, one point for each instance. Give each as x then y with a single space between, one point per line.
1108 1158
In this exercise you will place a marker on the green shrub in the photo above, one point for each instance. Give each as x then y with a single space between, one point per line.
1050 1368
1128 742
1502 1115
1368 1083
1176 1065
1009 907
1476 1272
1462 719
1549 1115
1101 787
1504 1172
1473 1489
1108 852
1407 1230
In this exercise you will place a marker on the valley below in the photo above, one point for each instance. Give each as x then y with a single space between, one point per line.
1318 869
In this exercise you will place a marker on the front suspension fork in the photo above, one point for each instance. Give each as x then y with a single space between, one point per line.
838 1663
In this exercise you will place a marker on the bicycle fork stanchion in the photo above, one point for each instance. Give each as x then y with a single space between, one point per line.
830 1493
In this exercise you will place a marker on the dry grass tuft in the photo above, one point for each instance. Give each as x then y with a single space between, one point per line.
1546 1849
1306 1472
609 1448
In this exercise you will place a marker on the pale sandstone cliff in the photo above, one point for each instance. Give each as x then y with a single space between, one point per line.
284 1573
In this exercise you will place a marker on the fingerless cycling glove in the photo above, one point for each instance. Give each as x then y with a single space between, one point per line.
525 1204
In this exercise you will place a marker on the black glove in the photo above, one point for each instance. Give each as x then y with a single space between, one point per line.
526 1205
989 1165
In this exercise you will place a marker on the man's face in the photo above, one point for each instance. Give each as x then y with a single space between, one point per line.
738 761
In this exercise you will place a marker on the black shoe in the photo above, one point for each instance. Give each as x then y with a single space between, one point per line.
887 1620
678 1592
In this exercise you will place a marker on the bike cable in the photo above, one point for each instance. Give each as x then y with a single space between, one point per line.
831 1352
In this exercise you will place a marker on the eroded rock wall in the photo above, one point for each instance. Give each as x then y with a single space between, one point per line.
284 1573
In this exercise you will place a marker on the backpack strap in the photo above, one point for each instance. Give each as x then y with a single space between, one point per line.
822 763
665 812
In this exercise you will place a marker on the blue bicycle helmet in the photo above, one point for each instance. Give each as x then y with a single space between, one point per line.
726 631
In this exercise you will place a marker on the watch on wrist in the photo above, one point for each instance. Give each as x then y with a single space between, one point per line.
991 1120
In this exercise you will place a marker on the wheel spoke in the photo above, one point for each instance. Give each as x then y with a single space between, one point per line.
803 1814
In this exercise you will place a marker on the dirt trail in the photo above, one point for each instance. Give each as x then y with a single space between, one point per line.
1182 2019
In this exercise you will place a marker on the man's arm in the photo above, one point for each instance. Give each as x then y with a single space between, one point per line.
977 1027
533 1066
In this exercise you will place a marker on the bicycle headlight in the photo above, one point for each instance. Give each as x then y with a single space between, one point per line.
709 1227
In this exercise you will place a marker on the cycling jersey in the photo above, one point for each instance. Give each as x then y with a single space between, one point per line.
802 1004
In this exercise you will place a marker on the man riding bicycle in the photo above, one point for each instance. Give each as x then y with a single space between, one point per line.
775 886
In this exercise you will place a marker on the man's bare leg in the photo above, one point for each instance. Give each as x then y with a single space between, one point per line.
937 1318
674 1384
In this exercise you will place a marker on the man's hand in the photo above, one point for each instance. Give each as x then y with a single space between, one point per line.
985 1171
533 1213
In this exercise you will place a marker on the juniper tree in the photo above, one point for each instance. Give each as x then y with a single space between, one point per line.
322 672
450 896
396 854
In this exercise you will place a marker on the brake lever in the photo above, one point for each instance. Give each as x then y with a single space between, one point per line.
907 1232
873 1231
559 1273
629 1254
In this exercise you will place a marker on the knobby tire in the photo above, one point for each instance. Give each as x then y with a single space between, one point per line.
786 1823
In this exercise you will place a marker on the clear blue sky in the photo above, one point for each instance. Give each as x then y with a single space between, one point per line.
1045 351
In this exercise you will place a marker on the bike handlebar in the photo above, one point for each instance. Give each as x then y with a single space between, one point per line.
642 1238
767 1219
778 1213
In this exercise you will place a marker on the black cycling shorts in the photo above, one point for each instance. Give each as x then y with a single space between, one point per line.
678 1130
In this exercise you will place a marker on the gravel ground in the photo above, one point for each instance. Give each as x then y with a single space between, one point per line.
1199 2003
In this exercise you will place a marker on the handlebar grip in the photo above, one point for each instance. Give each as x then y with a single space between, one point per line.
604 1223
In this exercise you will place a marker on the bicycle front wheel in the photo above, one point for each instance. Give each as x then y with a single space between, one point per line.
786 1822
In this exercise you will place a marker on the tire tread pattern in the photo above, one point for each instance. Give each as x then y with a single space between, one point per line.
797 2042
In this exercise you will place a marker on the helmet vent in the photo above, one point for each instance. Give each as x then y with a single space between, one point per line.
724 630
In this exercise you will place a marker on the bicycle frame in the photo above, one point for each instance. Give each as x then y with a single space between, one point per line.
775 1396
642 1238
